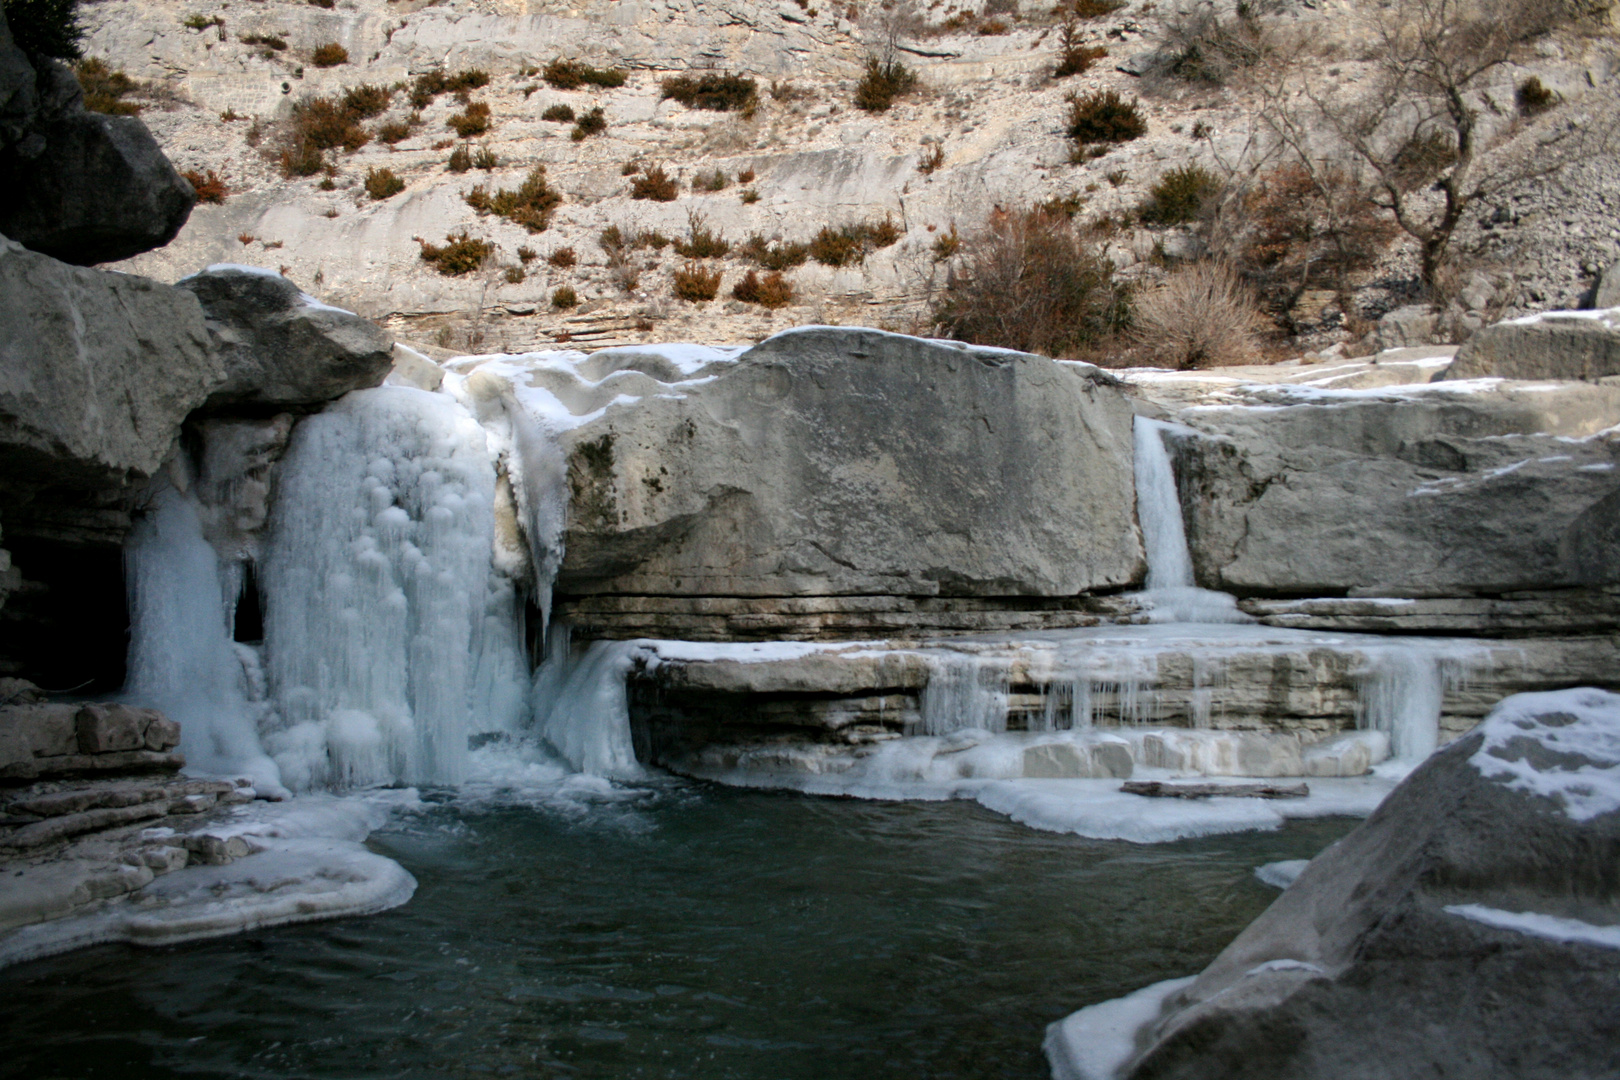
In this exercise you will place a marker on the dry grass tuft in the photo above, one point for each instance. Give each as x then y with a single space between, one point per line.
1202 317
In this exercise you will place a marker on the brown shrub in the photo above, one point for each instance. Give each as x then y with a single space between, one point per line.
527 254
1180 195
572 74
365 101
329 55
654 184
711 91
1031 281
750 197
1104 117
461 254
772 291
104 88
1075 58
746 176
1532 98
590 123
393 132
460 160
932 161
710 181
702 242
782 255
531 205
1202 317
851 243
470 121
695 283
563 257
947 244
883 82
210 188
560 114
515 275
564 297
383 184
485 159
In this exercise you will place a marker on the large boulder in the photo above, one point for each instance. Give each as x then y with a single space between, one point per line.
1552 345
1434 490
281 347
1470 928
80 186
97 371
855 462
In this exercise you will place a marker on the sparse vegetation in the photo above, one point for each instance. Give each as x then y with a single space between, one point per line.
431 84
526 254
1074 57
564 297
383 184
1179 196
702 242
781 255
485 159
696 283
105 89
572 74
1104 117
750 197
366 101
711 91
1032 281
851 243
590 123
654 184
460 160
1532 98
393 132
531 205
562 258
1202 317
329 55
268 44
190 22
885 81
1089 9
515 275
746 176
210 186
471 120
932 161
772 291
317 126
1202 44
461 254
714 180
947 244
561 114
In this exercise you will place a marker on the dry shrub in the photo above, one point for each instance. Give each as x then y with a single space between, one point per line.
470 121
564 297
531 205
993 28
430 85
947 244
561 114
884 81
1180 195
710 181
1104 117
1202 317
393 132
716 93
654 184
460 160
461 254
1033 282
746 176
572 74
1073 57
932 161
562 257
210 188
696 283
316 126
1201 44
1532 98
366 101
781 255
515 275
104 89
750 197
591 123
485 159
527 254
702 242
772 291
383 184
329 55
1089 9
851 243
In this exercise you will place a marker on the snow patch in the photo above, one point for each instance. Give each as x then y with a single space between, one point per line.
1096 1042
1535 924
1280 875
1575 734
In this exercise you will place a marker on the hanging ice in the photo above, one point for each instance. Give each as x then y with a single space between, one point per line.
389 638
181 658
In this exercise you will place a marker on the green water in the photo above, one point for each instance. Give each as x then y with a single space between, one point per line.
688 932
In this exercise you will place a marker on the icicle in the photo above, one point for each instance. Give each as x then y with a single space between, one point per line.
581 706
181 658
964 691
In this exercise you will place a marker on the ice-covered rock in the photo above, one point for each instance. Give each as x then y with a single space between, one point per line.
281 347
1470 928
1551 345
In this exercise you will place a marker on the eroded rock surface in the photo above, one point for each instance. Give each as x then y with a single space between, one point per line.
1554 345
1470 928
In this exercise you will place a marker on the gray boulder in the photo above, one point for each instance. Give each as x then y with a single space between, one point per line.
1607 292
97 371
1552 345
831 461
1418 491
1470 928
282 348
1407 327
80 186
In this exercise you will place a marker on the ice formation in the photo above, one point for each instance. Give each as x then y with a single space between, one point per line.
1536 924
1095 1042
1574 759
181 658
389 637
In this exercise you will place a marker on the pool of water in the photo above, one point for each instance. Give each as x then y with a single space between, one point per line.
677 931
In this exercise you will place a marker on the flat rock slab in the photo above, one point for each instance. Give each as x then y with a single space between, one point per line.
1553 345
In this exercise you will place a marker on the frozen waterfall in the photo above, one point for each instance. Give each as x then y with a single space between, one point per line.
389 638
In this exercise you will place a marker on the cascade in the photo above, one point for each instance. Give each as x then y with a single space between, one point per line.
389 637
582 708
1171 595
181 658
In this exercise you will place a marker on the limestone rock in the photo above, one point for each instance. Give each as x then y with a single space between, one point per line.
830 461
1407 327
281 347
80 186
1457 932
1554 345
1436 490
97 371
1607 292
